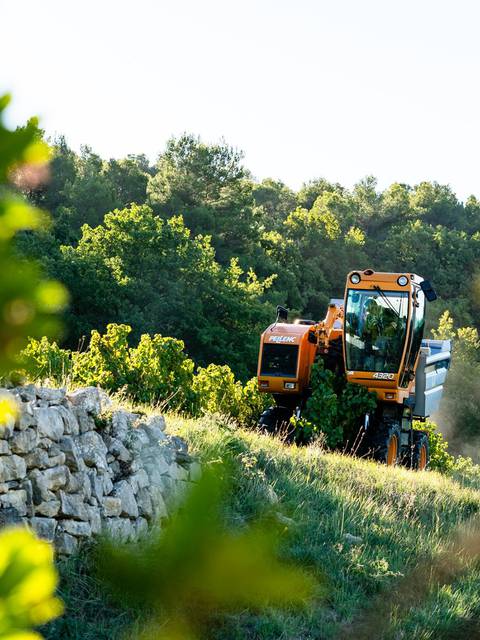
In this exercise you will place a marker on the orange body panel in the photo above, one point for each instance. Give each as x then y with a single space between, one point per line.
297 334
311 339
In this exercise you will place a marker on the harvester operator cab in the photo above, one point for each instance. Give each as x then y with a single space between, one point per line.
384 324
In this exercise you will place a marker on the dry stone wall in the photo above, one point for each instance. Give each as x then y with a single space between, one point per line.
72 468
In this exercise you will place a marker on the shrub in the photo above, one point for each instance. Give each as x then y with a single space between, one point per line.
462 388
320 414
217 391
252 403
440 459
161 371
334 409
43 359
355 401
464 470
156 370
27 583
106 362
461 401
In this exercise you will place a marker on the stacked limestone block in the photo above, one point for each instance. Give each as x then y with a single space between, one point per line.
71 469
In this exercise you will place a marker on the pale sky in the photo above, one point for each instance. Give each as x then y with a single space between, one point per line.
306 88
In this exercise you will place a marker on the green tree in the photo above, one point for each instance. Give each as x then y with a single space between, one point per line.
91 194
436 204
209 187
367 202
129 179
312 189
29 303
308 241
273 202
152 274
459 409
321 248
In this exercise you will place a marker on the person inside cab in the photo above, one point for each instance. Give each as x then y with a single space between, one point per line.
381 330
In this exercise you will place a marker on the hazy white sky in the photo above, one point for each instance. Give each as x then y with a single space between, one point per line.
306 88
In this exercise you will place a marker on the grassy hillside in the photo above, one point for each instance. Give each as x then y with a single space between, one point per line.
360 528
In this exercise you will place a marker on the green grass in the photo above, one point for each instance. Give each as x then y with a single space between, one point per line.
401 518
90 614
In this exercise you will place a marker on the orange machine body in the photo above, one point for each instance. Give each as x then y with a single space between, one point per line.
288 351
373 337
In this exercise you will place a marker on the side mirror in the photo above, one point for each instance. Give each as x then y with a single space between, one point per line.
428 290
282 314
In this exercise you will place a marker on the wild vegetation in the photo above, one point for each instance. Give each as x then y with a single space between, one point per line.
28 576
193 253
334 410
156 371
358 528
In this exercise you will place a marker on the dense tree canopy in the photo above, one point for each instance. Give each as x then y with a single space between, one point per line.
156 275
209 187
197 249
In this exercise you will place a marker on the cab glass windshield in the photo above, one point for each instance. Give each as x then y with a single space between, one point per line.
375 330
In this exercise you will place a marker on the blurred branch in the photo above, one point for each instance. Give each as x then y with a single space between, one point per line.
196 569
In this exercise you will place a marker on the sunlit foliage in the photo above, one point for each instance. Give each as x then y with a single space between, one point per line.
28 581
155 371
164 265
28 303
28 306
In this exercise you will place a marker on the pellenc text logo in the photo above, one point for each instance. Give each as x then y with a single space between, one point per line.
281 339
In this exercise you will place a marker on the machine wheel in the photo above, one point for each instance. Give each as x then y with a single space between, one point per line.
385 445
274 419
420 451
